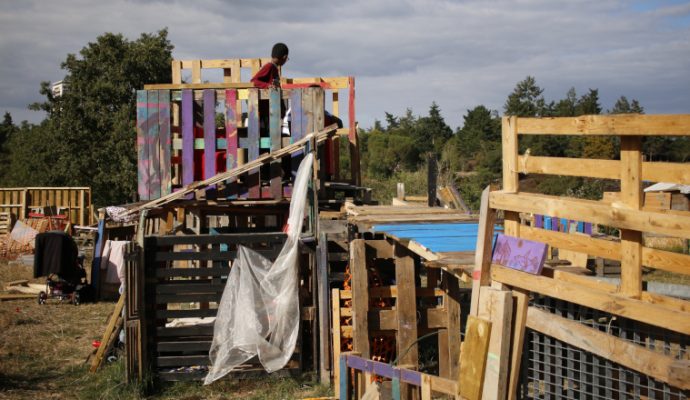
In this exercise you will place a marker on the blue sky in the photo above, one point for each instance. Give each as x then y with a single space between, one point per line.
404 54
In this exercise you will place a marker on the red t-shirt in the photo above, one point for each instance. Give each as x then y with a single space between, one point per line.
265 77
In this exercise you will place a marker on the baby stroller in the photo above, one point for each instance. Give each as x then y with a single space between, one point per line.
57 258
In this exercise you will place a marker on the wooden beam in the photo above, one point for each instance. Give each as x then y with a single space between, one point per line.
335 318
595 211
625 353
510 153
110 333
631 197
618 125
598 299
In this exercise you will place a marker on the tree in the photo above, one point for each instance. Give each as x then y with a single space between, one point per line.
91 127
7 130
566 107
431 132
526 100
588 104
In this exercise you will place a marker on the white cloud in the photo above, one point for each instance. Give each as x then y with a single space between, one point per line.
405 54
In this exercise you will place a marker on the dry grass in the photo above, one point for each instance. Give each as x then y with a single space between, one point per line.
43 349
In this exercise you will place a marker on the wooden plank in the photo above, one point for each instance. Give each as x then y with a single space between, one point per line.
253 177
142 148
360 297
352 134
274 102
426 387
473 358
165 141
619 125
510 153
199 86
519 254
406 307
496 306
666 172
335 319
232 139
322 288
611 303
580 243
153 143
187 117
196 71
602 169
625 353
451 303
666 260
209 133
298 129
631 197
109 335
520 301
596 212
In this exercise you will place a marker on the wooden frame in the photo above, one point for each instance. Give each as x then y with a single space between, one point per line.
74 202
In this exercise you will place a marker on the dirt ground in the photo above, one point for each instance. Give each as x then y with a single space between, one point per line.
45 349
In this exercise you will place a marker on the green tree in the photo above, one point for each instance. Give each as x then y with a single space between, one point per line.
91 127
588 104
526 100
431 132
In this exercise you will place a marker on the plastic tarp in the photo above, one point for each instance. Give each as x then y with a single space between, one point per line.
258 315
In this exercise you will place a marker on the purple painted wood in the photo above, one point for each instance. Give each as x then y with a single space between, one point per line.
231 141
187 122
297 127
274 105
153 143
412 377
253 176
142 149
588 228
520 254
209 96
555 225
538 221
165 141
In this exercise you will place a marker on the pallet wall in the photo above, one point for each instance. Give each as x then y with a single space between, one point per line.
72 202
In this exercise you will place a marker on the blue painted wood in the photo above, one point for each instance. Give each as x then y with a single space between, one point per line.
547 223
344 378
412 377
442 237
96 263
395 389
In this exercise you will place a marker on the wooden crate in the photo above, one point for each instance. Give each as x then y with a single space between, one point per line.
388 307
160 289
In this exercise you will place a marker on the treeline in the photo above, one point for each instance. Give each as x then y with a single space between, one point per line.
471 156
88 137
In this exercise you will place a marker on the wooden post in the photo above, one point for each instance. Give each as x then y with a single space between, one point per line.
449 339
406 310
631 197
322 287
432 175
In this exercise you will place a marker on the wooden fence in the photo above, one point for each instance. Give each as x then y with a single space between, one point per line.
625 300
72 202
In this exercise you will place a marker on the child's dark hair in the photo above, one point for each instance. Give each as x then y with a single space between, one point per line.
279 50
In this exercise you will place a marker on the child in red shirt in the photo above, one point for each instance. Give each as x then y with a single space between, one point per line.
269 75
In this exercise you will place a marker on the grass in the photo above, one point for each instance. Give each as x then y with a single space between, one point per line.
45 350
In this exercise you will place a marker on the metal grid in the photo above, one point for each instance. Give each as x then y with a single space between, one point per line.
552 369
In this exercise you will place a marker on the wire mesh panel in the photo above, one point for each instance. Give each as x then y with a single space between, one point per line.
553 369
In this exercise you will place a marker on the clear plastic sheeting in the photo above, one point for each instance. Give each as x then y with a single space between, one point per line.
258 315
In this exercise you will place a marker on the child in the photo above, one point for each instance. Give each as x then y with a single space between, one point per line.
269 75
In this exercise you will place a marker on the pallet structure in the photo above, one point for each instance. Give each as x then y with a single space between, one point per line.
182 139
584 337
71 203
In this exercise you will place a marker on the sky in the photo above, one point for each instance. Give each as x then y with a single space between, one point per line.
403 54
